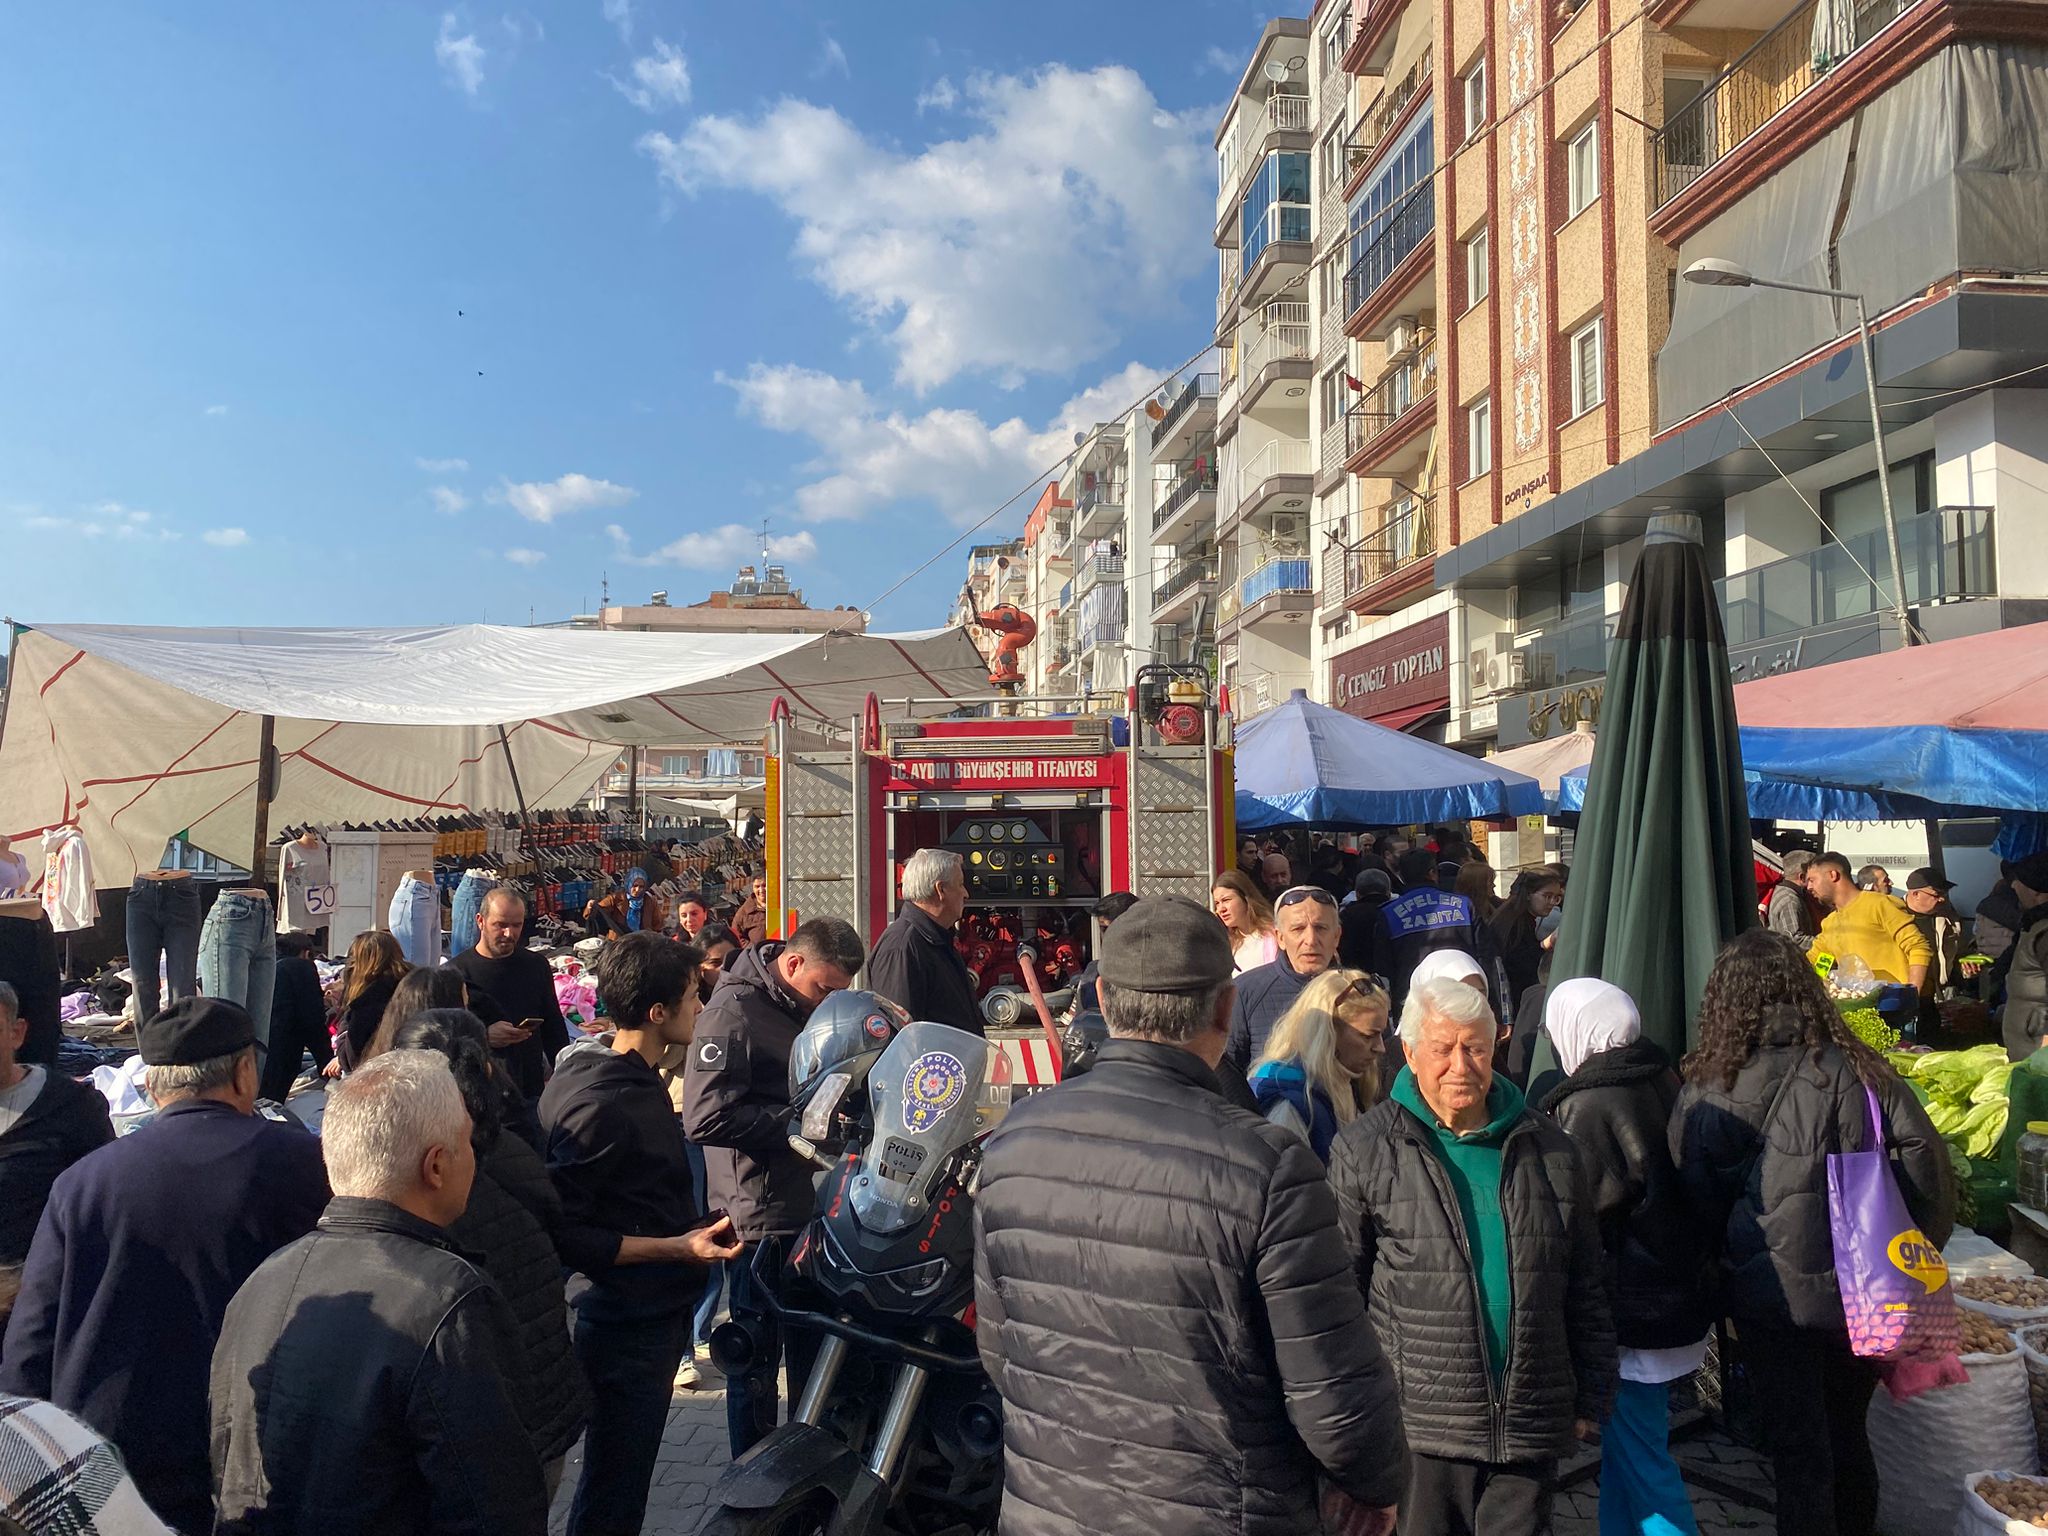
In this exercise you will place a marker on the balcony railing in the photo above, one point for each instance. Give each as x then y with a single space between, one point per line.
1393 397
1184 490
1179 578
1099 565
1946 554
1284 338
1776 70
1276 576
1282 456
1203 386
1371 130
1287 112
1408 535
1407 227
1108 632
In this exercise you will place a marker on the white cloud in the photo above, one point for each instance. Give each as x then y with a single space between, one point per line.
216 410
620 14
447 499
542 501
108 520
461 57
443 466
721 548
1222 60
942 95
1077 202
526 557
43 523
868 459
660 80
832 60
226 538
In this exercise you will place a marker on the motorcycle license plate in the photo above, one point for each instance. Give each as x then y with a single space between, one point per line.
901 1159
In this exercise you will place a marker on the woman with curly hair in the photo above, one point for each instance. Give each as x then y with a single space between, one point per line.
1776 1084
1245 911
1322 1065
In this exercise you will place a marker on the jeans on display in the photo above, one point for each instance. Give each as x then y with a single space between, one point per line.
631 1366
163 923
415 921
751 1411
1642 1492
462 916
238 957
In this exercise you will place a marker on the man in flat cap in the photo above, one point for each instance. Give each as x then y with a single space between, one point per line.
1163 1296
145 1241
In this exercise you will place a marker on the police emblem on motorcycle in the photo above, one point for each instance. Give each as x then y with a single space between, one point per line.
935 1083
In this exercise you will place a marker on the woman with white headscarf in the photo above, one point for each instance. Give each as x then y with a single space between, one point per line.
1616 1102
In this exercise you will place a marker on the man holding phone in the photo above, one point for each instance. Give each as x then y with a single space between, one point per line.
512 989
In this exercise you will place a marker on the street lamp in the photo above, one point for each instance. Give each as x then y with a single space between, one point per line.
1719 272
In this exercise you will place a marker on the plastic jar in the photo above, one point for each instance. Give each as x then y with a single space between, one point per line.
2033 1165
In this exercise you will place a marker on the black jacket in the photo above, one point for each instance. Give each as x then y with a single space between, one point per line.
615 1155
1758 1173
521 986
1365 943
1163 1301
298 1023
366 1380
736 1098
142 1246
29 963
66 1121
1264 993
2024 969
915 964
1617 1107
359 1020
509 1230
1401 1214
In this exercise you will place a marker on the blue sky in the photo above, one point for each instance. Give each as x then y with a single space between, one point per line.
389 314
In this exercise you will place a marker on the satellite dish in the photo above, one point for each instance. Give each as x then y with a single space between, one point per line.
1080 438
1155 410
1276 70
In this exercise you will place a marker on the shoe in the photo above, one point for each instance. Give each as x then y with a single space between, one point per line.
687 1377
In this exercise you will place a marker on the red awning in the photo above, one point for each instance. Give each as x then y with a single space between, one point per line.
1401 719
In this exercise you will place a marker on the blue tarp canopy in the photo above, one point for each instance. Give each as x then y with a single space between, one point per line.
1307 765
1782 800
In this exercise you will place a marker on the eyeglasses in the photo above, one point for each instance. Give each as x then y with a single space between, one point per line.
1300 893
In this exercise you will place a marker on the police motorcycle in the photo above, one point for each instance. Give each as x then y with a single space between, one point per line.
898 1431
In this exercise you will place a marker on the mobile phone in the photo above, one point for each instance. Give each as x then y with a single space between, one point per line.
529 1024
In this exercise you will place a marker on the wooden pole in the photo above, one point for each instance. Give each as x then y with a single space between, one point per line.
525 820
266 791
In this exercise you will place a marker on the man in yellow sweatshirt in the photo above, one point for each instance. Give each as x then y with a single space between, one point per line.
1877 928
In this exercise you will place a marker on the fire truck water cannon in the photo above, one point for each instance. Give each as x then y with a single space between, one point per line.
1018 630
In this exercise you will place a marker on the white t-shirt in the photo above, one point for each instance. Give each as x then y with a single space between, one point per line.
305 888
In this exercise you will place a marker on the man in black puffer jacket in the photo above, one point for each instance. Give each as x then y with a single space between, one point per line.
1472 1220
1163 1297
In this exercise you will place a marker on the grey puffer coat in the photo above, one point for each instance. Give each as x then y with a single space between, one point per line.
1165 1304
1413 1257
1755 1166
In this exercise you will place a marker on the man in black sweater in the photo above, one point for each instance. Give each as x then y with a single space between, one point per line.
629 1222
47 1123
512 990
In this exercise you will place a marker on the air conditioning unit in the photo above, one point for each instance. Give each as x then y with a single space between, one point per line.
1510 672
1288 533
1538 668
1479 672
1401 338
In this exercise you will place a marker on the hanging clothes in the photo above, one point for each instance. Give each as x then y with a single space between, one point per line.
305 888
68 894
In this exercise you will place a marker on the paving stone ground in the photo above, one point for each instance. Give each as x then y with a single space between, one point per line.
1731 1485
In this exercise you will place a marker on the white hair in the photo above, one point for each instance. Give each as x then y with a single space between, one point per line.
189 1080
926 870
1452 1001
382 1119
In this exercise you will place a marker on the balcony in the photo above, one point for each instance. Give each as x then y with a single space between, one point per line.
1776 70
1275 479
1392 415
1946 555
1099 564
1279 351
1395 561
1189 496
1098 509
1282 590
1280 240
1386 116
1372 36
1176 415
1185 581
1097 636
1409 228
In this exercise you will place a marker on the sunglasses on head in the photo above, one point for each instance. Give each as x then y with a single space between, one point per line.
1299 893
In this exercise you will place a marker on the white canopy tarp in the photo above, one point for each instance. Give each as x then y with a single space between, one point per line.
138 734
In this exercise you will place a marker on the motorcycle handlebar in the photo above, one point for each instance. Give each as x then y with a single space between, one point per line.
902 1350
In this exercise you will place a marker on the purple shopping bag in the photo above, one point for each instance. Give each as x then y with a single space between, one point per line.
1894 1281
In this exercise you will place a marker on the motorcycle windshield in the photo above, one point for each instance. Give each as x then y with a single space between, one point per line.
935 1090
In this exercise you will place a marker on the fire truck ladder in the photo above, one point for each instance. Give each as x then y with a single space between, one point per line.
1173 814
820 826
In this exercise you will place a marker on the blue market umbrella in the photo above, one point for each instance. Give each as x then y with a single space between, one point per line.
1662 874
1304 764
1772 799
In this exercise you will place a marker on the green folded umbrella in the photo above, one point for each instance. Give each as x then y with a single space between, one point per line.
1662 873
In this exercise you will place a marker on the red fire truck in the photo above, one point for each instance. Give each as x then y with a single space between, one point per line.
1048 811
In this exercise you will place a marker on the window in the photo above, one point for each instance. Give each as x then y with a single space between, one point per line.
1395 211
1582 168
1275 206
1332 396
1479 436
676 767
1586 373
1334 40
1330 157
1475 98
1478 269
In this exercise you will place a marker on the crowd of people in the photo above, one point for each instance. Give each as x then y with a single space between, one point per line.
1304 1248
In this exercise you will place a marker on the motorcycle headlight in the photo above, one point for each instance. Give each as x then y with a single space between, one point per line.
824 1104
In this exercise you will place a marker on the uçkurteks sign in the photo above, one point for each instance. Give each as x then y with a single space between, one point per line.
1407 670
